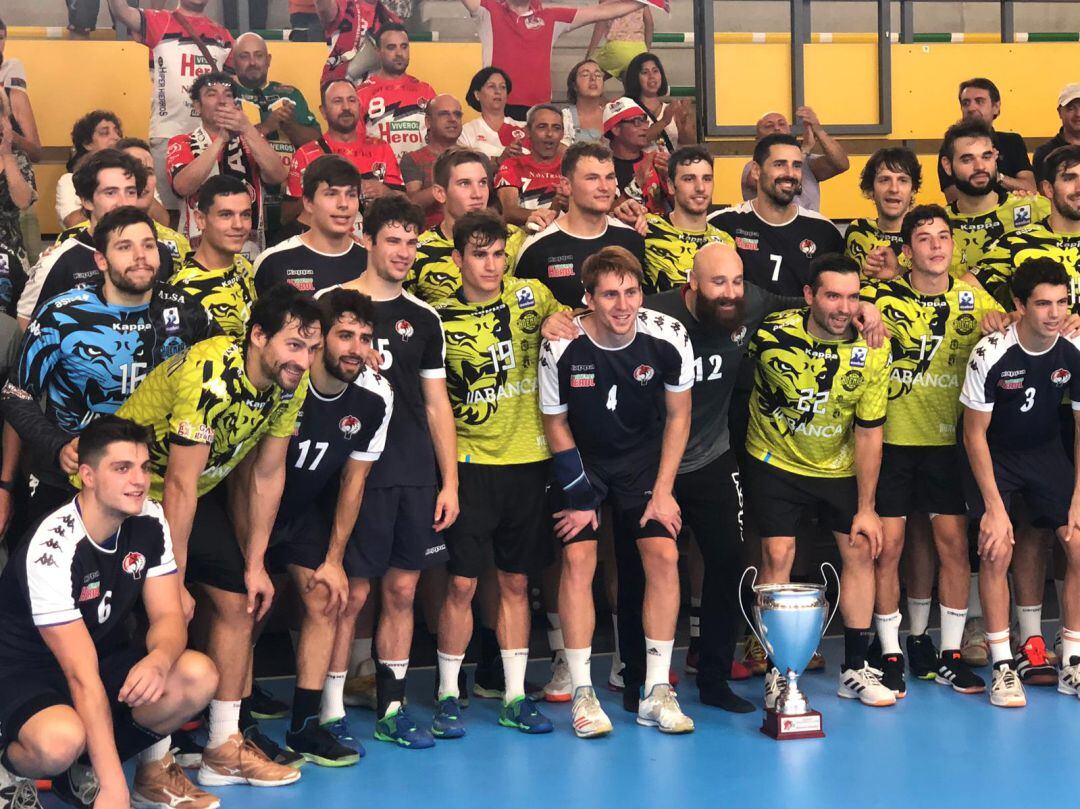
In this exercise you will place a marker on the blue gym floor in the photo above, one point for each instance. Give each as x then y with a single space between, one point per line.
930 749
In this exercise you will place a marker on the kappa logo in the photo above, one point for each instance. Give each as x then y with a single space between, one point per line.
46 560
404 330
134 564
808 247
858 357
966 300
350 426
1060 377
1022 215
644 373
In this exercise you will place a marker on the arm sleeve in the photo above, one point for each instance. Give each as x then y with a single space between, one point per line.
154 23
38 356
508 176
196 401
1023 162
165 563
266 275
410 172
377 442
49 576
16 75
294 184
870 411
680 376
283 423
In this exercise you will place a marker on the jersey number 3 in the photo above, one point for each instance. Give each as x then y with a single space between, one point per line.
1029 400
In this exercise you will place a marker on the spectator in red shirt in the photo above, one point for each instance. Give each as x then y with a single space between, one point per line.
518 35
534 180
350 26
642 174
417 168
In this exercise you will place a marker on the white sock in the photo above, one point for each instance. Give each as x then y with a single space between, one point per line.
919 615
359 655
399 668
616 658
333 697
999 646
554 633
224 721
1070 645
155 752
579 662
1030 620
449 668
657 662
888 632
695 619
974 604
952 628
514 662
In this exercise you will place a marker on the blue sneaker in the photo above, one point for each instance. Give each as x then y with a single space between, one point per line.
447 722
339 728
522 714
400 728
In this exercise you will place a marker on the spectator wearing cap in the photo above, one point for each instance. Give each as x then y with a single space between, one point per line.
494 134
641 173
1068 109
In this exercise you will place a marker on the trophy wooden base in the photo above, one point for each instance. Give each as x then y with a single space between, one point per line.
792 726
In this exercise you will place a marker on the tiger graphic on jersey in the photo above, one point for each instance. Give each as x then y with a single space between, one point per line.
481 373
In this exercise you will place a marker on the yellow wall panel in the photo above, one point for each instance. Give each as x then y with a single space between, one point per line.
47 175
841 82
750 81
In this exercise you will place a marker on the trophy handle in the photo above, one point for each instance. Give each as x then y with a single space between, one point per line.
742 607
825 579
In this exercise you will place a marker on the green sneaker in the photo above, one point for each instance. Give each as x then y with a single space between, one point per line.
522 714
400 728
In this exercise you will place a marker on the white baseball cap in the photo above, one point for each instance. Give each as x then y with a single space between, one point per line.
1069 94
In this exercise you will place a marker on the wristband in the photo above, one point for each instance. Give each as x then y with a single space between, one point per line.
7 485
570 475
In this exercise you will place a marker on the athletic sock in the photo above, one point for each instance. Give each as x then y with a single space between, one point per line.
1030 620
888 632
305 706
616 658
224 721
919 615
392 694
554 633
155 752
657 662
974 603
514 662
999 647
579 662
856 642
449 669
333 697
952 628
1070 645
359 655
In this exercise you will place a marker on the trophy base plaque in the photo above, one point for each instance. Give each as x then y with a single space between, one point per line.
792 726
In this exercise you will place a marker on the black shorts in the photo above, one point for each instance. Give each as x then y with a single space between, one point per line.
1042 475
214 554
394 530
301 540
779 499
920 479
502 516
25 692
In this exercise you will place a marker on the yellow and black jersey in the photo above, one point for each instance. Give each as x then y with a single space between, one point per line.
809 394
434 275
670 250
227 294
995 270
863 235
492 351
973 233
931 337
176 243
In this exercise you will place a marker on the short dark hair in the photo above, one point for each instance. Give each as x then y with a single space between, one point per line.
571 79
82 132
535 108
132 143
1035 271
685 156
582 149
85 178
332 169
220 185
480 79
981 83
452 158
387 28
1061 159
482 227
920 215
610 260
632 76
340 301
393 209
831 262
966 128
213 77
95 438
895 158
277 306
764 146
115 221
326 85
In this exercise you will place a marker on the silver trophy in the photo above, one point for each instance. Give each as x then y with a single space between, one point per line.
789 620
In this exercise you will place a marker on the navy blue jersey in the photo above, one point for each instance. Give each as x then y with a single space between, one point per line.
305 268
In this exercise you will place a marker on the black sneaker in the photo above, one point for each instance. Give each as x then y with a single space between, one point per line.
76 787
317 744
952 670
892 674
186 751
719 695
272 750
264 706
922 657
873 654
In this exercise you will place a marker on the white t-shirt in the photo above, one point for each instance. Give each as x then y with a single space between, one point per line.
67 201
12 75
479 136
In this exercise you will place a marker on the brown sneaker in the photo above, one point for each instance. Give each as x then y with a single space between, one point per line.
163 785
360 691
238 761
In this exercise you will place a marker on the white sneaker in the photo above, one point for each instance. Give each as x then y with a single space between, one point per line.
1007 691
865 685
586 715
560 688
661 710
16 792
1055 657
1069 679
775 683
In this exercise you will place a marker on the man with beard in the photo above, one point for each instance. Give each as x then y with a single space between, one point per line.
209 408
642 173
532 181
982 212
890 179
86 351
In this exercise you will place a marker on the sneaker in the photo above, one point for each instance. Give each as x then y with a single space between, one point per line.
271 749
865 685
892 674
1069 678
489 682
78 786
692 658
739 671
360 691
317 744
719 695
264 706
339 729
974 648
775 683
952 670
17 793
615 679
185 750
1032 663
922 656
874 654
817 662
522 714
660 709
559 688
1007 691
238 761
401 729
754 657
586 715
447 722
163 785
